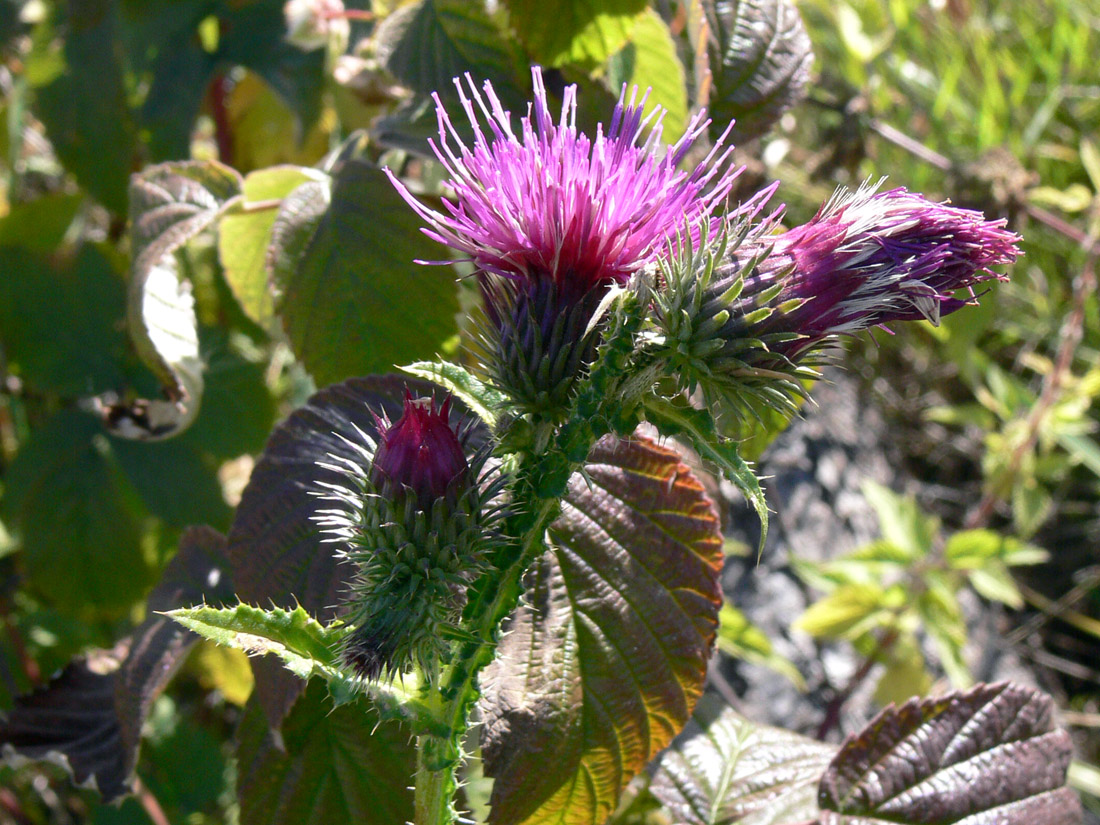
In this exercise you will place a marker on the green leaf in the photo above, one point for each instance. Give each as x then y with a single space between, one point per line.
169 205
724 769
1032 505
40 225
989 755
847 612
602 665
245 230
482 399
326 765
943 620
740 638
85 109
994 582
77 518
82 296
585 32
905 674
353 301
427 44
901 520
760 58
698 427
305 646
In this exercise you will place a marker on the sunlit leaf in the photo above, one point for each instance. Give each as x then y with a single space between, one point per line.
650 61
740 638
847 612
602 666
723 769
584 31
325 765
244 234
989 756
760 63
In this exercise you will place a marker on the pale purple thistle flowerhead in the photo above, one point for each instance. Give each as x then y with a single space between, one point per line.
549 203
870 258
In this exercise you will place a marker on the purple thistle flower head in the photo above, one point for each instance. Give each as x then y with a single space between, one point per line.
868 258
550 204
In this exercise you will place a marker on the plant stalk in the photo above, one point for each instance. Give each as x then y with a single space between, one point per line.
434 786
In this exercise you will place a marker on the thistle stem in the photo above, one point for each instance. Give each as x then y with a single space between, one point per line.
434 785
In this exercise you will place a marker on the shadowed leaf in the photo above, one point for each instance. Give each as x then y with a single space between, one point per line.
760 59
428 44
724 769
987 756
89 717
326 765
602 666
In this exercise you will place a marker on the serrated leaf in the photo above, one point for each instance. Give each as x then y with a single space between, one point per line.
483 400
723 769
601 667
275 548
988 756
169 205
89 718
994 582
760 59
325 765
244 234
699 427
355 302
901 520
585 32
426 45
304 645
847 612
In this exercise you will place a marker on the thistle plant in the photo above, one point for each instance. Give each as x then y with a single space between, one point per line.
503 553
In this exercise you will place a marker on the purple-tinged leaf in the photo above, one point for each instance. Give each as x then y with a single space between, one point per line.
275 548
724 769
760 59
603 664
987 756
324 766
89 717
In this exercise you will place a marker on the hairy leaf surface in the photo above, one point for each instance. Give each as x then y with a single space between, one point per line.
724 769
760 59
603 664
988 756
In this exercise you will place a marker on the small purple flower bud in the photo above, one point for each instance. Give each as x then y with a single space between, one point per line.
421 452
868 259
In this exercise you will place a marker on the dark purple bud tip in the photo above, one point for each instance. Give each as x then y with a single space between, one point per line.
421 452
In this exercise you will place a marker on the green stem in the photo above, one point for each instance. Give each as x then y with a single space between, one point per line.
434 785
